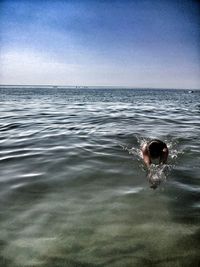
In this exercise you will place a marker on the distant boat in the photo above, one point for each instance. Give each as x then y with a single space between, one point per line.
190 91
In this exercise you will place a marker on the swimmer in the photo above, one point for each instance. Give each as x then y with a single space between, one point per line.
155 150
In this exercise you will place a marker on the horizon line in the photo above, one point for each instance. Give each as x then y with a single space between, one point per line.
94 86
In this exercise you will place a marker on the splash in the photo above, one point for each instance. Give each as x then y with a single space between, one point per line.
157 173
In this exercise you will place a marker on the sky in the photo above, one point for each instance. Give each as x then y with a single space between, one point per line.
138 43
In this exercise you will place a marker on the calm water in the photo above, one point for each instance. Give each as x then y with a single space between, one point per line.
74 190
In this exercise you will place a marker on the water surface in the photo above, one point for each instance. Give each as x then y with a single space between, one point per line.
74 190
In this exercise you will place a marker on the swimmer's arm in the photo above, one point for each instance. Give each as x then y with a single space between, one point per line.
146 157
163 158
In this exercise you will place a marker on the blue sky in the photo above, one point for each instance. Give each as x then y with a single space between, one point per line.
116 43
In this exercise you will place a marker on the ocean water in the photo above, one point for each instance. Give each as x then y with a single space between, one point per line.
73 187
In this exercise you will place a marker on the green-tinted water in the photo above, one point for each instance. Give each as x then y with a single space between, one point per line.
74 190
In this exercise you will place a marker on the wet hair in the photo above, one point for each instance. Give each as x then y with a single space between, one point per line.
155 148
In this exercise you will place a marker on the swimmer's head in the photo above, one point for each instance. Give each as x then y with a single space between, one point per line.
155 148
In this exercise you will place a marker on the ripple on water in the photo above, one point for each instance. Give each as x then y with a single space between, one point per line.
74 190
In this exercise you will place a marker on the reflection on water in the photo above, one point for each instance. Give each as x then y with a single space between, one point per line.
74 190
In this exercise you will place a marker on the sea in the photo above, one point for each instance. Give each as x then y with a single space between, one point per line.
74 191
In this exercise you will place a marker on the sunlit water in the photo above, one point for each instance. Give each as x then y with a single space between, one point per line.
74 190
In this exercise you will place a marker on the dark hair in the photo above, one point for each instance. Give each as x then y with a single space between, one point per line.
155 148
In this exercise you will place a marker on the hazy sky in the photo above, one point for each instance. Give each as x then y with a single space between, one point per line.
117 43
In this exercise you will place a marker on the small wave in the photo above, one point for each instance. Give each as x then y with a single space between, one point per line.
187 187
32 174
132 151
19 185
8 158
10 126
127 191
